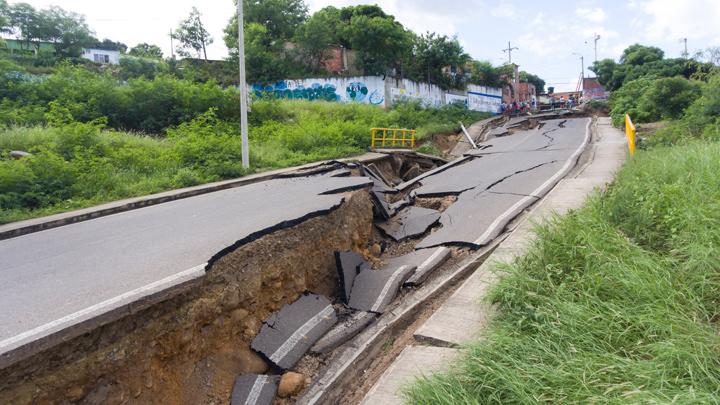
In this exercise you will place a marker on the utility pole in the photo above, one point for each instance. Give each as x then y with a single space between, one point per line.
685 40
509 51
243 88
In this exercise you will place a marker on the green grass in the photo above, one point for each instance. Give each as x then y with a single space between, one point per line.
618 302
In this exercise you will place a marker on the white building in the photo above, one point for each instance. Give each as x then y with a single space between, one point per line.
101 55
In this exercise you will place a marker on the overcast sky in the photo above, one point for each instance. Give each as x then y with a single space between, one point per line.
548 34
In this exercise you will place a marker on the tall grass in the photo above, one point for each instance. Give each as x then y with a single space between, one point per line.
615 303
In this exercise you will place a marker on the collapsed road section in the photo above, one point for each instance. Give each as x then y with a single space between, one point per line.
286 260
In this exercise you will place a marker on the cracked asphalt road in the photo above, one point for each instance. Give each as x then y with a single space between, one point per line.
503 179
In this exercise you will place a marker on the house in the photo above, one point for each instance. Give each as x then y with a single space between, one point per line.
101 55
528 92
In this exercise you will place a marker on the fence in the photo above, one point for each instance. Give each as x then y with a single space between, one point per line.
391 135
630 132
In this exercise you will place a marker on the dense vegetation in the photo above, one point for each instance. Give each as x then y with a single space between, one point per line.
618 301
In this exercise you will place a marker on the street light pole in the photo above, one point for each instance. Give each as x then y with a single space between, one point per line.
596 37
582 64
243 88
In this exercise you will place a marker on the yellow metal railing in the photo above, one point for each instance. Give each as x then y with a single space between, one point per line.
630 132
393 135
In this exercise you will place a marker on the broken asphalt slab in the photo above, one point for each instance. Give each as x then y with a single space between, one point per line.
425 261
410 222
343 331
348 265
483 213
286 335
255 389
534 175
375 289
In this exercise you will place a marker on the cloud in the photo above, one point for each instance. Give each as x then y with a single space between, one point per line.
505 9
692 19
596 15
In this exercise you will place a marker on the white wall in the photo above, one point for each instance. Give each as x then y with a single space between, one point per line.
482 98
113 56
380 90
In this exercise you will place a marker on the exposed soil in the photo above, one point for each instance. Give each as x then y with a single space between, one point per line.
190 348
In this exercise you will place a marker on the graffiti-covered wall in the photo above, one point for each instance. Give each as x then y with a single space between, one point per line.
380 90
364 89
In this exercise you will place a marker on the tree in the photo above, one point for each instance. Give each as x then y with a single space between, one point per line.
110 45
439 60
66 30
263 60
483 73
4 20
638 61
637 54
317 35
279 17
668 98
145 50
381 42
192 36
25 23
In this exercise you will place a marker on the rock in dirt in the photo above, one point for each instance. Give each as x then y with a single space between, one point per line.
412 172
291 384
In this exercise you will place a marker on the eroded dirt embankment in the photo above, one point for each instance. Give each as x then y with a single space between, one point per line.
190 348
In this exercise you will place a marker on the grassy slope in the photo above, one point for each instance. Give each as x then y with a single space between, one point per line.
617 302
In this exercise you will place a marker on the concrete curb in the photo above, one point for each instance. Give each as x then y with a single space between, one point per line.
20 228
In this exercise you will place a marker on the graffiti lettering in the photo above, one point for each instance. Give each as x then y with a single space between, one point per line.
282 90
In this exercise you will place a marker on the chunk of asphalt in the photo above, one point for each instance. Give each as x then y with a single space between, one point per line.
425 260
286 335
499 131
255 389
376 174
412 221
373 290
400 204
379 199
348 265
343 331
